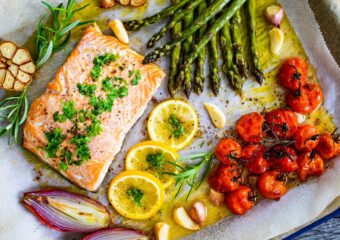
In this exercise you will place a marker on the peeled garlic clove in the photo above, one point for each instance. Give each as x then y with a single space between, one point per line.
216 115
107 3
276 40
8 49
274 15
137 3
119 30
182 218
9 81
161 231
123 2
198 212
301 118
216 198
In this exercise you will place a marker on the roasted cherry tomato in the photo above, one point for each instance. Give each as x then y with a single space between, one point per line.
328 146
306 138
310 164
281 122
250 127
225 178
293 73
272 184
283 158
228 150
254 158
305 100
240 200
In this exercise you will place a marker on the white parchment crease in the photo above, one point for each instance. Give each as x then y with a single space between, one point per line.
268 218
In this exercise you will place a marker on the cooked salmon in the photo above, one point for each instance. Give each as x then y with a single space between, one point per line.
86 165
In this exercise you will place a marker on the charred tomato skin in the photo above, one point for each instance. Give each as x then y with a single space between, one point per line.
282 122
240 200
307 99
283 158
228 150
293 73
327 147
272 185
310 164
225 178
306 138
254 158
250 127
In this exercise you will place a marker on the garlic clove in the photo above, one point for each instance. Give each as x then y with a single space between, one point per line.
161 231
23 77
28 67
182 218
13 69
22 56
216 115
119 30
137 3
198 212
274 14
124 2
216 198
107 3
9 81
18 86
276 40
8 49
2 76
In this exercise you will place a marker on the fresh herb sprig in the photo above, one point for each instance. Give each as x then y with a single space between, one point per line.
55 34
189 174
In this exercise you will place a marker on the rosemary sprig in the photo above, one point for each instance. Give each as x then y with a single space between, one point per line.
51 36
54 35
189 174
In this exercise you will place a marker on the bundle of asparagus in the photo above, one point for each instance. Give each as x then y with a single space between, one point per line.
194 25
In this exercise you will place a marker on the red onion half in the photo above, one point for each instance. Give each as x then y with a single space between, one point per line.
116 234
67 212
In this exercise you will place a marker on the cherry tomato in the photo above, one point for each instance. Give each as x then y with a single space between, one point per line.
240 200
293 73
328 147
272 184
254 158
306 138
228 150
225 178
305 100
282 122
249 127
310 164
283 158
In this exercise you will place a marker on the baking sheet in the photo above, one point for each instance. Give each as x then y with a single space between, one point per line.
19 170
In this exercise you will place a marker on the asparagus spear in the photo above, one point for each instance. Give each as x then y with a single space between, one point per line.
213 30
166 12
258 72
175 59
177 17
199 76
208 14
213 64
240 61
229 67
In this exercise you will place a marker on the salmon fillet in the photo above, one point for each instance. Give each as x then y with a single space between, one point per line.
115 124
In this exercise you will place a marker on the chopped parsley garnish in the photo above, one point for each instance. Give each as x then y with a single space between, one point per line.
69 112
137 78
136 195
107 85
131 73
94 129
155 160
83 115
63 166
59 117
99 62
82 148
86 89
123 91
176 126
54 138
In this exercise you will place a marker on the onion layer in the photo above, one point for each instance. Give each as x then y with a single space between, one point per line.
116 234
67 212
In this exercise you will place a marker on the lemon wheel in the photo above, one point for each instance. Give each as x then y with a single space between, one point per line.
153 157
135 194
173 122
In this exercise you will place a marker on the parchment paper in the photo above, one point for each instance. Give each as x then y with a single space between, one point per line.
268 218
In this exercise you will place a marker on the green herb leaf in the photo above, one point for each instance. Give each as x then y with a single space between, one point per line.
136 195
94 129
54 138
99 62
137 78
176 126
63 166
86 89
123 91
155 160
82 148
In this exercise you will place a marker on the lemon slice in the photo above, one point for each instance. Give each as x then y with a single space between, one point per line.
135 194
173 122
153 157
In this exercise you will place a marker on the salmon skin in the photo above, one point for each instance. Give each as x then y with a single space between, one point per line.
115 123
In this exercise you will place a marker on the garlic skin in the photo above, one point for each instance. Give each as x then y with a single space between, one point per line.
198 212
119 30
216 198
182 218
276 40
274 15
161 231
